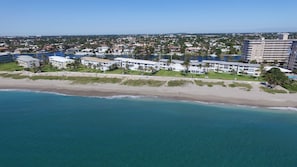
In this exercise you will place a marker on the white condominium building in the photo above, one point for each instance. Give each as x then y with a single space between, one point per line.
137 65
174 65
60 62
28 61
229 67
97 63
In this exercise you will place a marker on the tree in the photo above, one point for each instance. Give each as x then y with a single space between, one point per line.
206 65
187 62
218 52
275 77
138 52
169 61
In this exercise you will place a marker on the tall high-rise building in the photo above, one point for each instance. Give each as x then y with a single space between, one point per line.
292 65
268 50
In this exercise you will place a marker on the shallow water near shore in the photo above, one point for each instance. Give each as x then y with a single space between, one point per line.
42 129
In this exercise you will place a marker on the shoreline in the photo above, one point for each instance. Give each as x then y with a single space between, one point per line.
204 94
118 96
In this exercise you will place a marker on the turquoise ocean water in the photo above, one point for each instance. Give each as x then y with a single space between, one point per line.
40 129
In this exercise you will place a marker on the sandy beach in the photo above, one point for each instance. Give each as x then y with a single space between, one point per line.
191 92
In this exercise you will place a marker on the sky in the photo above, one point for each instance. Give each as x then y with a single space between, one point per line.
99 17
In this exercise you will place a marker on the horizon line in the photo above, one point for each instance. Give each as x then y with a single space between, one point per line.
135 34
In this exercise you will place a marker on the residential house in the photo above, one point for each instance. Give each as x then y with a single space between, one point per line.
85 52
102 49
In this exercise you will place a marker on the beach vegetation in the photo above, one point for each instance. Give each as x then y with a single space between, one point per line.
143 82
13 76
245 86
209 84
79 80
291 86
75 80
272 90
87 80
36 77
173 83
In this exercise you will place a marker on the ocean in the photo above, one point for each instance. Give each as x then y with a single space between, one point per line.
45 129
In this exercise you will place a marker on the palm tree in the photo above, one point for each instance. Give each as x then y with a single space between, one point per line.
187 62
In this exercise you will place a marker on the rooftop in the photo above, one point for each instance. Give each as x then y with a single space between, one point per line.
135 60
60 59
95 59
26 58
4 53
231 63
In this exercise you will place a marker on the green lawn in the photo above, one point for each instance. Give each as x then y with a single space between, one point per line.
13 66
128 72
165 73
225 76
48 68
116 71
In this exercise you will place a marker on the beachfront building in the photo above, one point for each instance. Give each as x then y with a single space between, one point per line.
268 50
173 65
137 65
232 67
28 61
60 62
5 57
292 65
99 64
196 67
